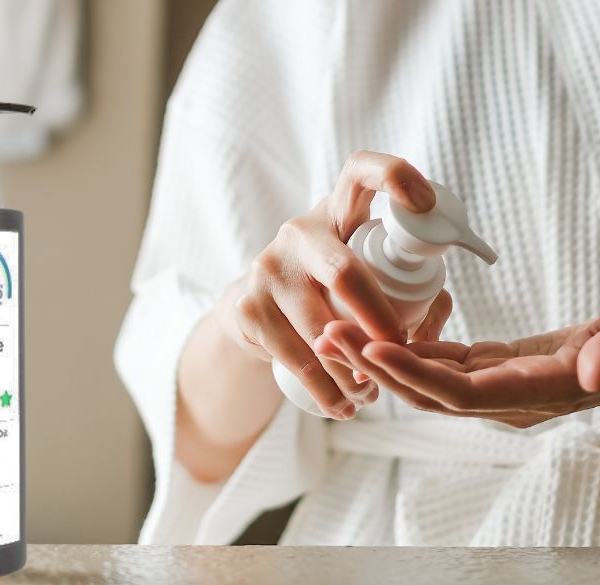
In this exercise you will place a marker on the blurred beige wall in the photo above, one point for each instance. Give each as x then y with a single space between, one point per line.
85 204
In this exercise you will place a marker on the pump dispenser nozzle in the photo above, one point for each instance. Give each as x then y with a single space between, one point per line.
433 232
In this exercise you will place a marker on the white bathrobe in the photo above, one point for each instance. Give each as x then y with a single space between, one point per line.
499 100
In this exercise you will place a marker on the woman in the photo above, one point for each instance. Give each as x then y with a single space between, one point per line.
495 100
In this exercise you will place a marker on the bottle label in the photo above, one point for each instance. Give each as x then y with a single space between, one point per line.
10 459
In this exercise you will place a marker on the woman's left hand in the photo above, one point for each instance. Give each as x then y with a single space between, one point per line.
521 383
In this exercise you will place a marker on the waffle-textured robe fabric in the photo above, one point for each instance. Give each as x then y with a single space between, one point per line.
499 100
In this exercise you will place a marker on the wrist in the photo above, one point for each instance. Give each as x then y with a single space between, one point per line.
225 311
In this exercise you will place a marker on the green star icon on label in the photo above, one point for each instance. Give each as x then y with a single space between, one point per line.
5 399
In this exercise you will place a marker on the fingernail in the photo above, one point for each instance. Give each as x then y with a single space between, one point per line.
422 195
328 352
341 407
363 396
349 411
334 357
359 377
372 396
325 354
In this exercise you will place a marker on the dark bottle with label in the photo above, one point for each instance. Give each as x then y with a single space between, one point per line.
13 547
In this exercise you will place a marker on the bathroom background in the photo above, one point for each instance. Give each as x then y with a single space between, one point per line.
85 196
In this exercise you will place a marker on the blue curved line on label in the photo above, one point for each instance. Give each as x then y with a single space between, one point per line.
7 274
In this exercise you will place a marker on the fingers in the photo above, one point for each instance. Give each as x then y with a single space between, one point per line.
336 332
308 314
328 346
422 368
349 339
428 377
588 364
332 264
497 384
436 318
450 350
495 389
531 383
359 393
424 390
286 326
282 341
446 388
284 311
367 172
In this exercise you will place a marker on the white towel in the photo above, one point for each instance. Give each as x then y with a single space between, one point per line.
39 42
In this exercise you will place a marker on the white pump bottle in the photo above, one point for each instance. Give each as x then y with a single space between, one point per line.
404 252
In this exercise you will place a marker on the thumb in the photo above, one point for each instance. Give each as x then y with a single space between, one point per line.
588 364
431 327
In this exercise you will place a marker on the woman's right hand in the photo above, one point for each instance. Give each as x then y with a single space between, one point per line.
278 309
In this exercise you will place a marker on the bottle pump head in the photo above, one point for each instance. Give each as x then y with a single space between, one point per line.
433 232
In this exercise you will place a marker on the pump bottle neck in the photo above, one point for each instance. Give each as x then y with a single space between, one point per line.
400 257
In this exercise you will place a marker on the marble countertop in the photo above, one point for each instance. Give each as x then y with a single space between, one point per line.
270 565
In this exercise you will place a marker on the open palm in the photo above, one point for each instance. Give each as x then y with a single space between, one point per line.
521 383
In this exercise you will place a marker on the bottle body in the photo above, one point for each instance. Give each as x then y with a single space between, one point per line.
12 422
410 283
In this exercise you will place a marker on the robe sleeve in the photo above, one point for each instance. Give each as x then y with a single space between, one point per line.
234 164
